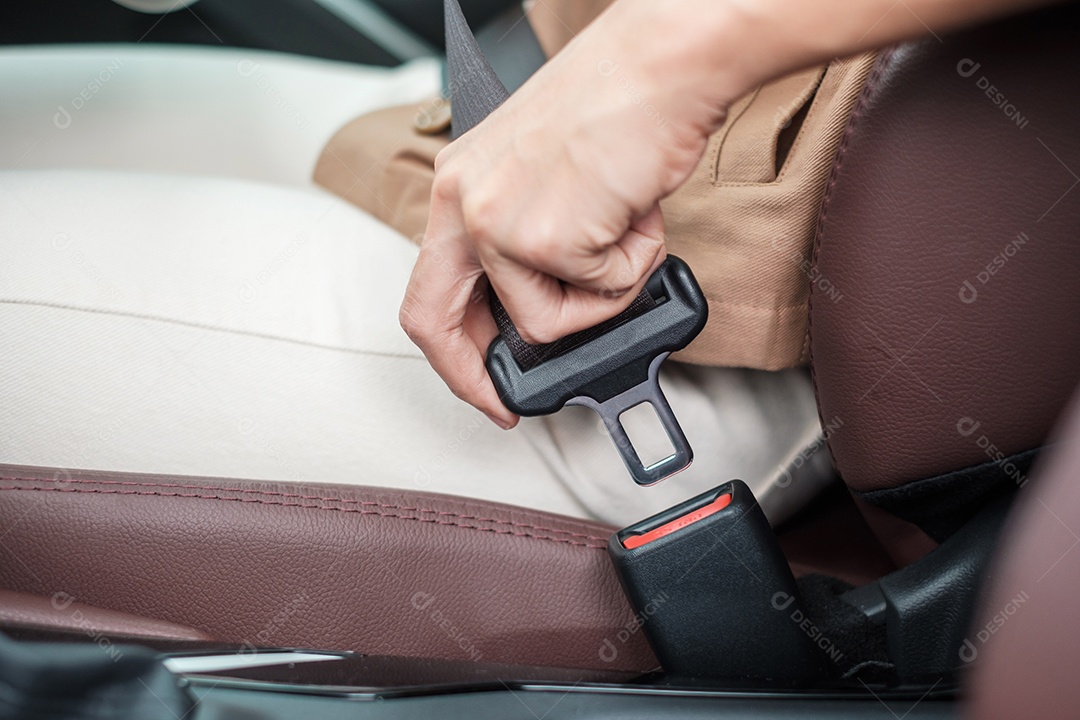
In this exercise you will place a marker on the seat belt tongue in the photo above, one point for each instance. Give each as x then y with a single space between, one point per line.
611 368
611 410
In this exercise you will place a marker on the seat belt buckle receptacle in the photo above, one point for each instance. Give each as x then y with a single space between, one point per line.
714 591
613 367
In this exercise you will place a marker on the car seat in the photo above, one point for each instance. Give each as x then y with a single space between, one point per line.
950 228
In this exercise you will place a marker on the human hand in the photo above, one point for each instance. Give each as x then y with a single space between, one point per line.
554 198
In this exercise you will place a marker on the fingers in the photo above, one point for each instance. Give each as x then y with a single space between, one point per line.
452 326
544 309
619 268
607 259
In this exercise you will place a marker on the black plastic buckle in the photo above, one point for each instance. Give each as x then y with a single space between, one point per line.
714 592
617 370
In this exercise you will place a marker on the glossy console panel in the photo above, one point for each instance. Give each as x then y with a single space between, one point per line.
333 685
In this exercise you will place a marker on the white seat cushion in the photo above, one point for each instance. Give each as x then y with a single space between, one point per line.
184 109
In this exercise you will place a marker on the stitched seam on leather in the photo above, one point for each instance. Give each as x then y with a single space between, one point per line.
461 502
819 235
371 503
339 509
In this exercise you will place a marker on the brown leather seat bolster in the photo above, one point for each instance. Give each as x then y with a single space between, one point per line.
950 345
1022 646
326 566
62 613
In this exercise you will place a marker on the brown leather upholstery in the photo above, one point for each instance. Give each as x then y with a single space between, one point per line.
62 613
333 567
949 232
832 538
1025 644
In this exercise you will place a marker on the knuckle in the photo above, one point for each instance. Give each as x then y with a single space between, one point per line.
444 156
596 273
413 321
480 213
539 246
536 333
620 283
446 187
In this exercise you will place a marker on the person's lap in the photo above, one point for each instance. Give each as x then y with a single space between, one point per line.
218 327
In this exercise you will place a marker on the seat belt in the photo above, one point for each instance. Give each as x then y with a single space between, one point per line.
610 367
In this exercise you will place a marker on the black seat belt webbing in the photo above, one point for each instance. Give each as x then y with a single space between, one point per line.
475 91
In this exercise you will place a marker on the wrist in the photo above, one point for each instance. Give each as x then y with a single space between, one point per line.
690 62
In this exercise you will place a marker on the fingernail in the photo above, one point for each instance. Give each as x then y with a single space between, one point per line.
498 421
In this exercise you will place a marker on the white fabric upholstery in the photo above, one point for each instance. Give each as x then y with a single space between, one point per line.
188 303
163 323
208 111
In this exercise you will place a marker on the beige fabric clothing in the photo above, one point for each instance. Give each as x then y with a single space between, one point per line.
744 221
746 218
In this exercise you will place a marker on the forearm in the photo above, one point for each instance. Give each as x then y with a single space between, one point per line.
716 50
784 35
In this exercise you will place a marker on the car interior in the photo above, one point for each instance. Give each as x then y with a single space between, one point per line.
933 578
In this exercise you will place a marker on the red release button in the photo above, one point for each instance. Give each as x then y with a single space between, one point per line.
636 541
